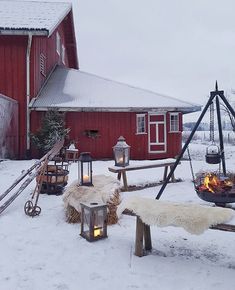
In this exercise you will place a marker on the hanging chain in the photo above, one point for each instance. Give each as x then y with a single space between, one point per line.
212 123
191 167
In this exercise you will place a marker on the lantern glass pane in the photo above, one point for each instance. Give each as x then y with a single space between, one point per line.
119 156
126 154
86 222
86 173
98 222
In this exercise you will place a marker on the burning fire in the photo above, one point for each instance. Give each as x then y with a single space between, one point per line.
214 184
211 181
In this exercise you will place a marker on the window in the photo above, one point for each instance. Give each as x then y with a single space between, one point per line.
174 122
58 43
140 124
42 63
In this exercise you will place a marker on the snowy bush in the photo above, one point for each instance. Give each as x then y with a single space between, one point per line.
52 130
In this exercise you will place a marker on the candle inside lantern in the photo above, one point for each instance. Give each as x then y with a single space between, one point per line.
86 178
120 160
96 231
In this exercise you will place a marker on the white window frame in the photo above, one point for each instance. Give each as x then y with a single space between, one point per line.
58 43
174 124
138 128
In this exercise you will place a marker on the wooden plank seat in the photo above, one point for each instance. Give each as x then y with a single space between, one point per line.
121 171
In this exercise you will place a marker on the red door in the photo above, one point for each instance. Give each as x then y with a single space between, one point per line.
157 133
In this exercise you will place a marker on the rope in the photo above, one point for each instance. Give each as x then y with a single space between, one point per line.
191 167
212 124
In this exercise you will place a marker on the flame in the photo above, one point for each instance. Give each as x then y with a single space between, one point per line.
96 231
214 183
211 181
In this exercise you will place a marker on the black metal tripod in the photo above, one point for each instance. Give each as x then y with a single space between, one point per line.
214 94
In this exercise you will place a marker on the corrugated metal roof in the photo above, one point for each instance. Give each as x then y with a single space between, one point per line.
74 90
18 17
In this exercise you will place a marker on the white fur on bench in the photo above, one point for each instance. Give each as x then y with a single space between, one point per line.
195 219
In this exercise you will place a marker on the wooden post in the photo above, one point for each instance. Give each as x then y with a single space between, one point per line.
124 180
119 175
165 173
147 238
139 251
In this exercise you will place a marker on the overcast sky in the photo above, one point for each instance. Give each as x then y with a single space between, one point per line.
174 47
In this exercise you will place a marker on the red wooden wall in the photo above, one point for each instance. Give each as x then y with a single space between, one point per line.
111 125
47 46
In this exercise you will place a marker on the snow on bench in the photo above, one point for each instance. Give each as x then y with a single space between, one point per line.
121 171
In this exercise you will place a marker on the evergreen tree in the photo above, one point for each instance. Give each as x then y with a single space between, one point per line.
52 130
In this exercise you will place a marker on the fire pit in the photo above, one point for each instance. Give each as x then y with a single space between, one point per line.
213 187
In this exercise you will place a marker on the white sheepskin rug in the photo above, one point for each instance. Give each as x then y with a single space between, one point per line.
195 219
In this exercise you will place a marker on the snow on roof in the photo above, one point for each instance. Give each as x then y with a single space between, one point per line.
74 90
20 17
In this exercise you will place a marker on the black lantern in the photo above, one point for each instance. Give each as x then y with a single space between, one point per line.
93 221
121 152
85 169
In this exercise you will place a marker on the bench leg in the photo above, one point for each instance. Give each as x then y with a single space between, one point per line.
119 176
147 238
173 175
139 236
124 180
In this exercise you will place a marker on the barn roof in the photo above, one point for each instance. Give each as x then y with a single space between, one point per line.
75 90
21 17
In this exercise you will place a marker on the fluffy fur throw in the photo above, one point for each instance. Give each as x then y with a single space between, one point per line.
103 190
195 219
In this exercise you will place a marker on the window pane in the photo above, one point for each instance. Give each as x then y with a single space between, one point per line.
141 124
174 123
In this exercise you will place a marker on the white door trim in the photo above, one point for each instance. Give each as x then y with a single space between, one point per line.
157 135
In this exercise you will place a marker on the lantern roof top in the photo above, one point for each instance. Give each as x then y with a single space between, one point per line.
121 143
85 157
93 204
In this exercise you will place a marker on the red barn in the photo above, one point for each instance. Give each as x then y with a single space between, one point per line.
99 110
40 71
34 38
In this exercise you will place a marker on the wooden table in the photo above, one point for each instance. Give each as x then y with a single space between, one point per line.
121 171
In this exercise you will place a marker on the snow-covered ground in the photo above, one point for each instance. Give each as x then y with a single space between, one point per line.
45 252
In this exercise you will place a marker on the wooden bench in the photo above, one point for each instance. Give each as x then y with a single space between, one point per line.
143 241
121 171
